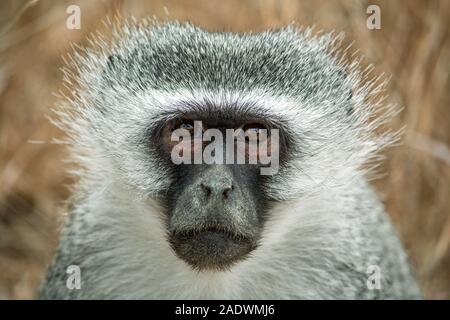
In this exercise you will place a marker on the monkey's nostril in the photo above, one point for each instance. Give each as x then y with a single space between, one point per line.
226 192
217 190
207 190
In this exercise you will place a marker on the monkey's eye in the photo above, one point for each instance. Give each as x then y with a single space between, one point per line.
255 132
188 125
254 127
185 124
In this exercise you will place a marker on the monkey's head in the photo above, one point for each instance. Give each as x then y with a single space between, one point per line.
156 81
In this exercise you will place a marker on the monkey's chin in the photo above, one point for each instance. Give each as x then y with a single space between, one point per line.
211 249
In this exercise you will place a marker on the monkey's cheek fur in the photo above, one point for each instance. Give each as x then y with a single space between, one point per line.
211 249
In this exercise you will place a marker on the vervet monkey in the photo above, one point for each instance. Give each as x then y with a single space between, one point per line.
144 227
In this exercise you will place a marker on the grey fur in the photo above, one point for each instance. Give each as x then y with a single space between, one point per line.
326 226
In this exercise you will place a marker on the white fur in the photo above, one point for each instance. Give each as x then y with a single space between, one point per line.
325 229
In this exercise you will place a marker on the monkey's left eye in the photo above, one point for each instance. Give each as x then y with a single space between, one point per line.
254 127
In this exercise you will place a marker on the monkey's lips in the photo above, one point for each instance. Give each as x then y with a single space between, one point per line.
211 248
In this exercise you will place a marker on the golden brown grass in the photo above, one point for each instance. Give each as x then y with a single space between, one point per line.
413 46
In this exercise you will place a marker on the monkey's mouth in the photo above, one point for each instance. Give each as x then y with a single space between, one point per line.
211 247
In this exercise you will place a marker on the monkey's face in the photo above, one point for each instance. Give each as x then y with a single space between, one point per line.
166 78
215 207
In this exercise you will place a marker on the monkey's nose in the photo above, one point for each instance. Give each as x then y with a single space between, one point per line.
217 188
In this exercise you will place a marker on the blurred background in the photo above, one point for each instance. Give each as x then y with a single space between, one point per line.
412 47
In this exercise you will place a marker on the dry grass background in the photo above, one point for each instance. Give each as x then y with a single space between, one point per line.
413 46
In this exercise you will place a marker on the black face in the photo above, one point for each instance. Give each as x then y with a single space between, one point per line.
215 212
